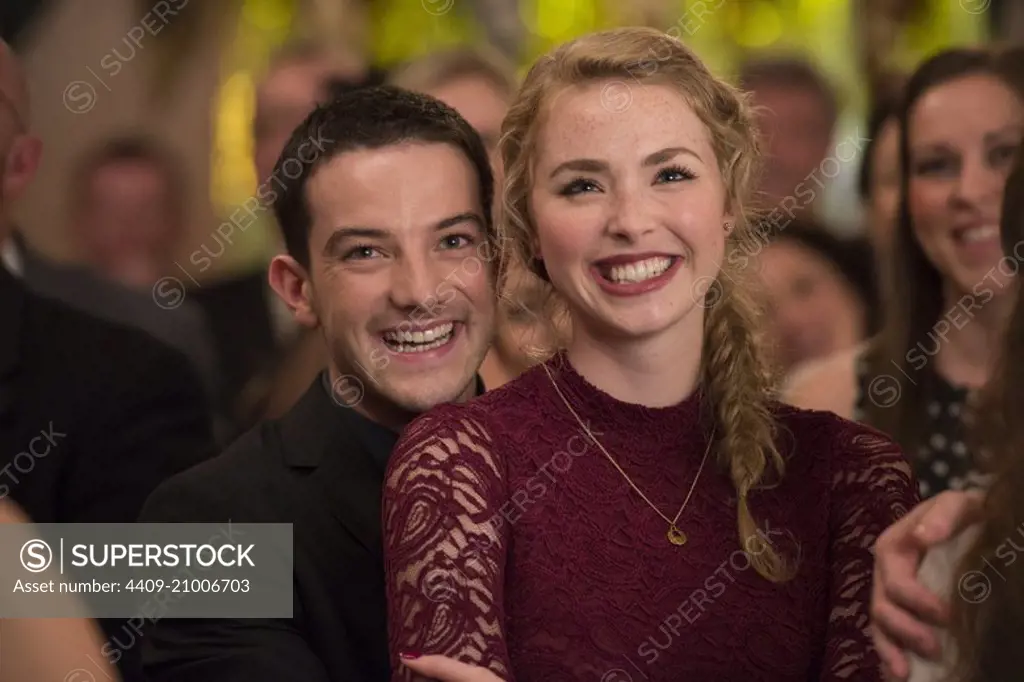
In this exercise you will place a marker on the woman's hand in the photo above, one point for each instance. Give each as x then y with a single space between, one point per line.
447 669
903 612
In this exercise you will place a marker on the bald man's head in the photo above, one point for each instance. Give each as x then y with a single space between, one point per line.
19 151
13 87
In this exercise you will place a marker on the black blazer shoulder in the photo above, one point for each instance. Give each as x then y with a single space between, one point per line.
130 411
183 326
308 468
227 486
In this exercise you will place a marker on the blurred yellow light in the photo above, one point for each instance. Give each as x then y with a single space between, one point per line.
552 22
406 29
268 15
808 11
560 19
755 24
262 26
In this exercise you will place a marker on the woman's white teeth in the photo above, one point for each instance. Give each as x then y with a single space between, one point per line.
420 341
979 234
639 271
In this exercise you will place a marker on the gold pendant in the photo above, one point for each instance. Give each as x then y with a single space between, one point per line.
676 536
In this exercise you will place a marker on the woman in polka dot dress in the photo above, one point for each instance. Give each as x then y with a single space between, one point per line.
943 461
949 285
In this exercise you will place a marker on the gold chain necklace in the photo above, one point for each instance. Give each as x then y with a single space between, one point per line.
674 535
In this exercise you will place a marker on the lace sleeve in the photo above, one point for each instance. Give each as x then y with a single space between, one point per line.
872 486
444 544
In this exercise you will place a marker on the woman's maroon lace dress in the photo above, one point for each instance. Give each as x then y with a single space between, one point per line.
512 542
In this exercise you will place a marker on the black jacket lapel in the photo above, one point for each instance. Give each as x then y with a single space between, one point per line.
318 435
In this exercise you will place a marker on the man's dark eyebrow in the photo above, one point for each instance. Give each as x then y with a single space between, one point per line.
359 232
467 217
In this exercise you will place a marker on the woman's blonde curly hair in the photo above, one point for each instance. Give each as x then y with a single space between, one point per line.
738 384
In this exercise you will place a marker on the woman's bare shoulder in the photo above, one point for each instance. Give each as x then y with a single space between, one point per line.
826 384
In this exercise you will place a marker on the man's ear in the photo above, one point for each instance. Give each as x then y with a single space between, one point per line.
20 165
291 282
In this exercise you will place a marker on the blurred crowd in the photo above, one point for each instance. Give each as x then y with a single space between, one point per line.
898 326
251 359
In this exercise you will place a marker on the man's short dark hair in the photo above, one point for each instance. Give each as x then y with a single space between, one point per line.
131 148
367 118
789 72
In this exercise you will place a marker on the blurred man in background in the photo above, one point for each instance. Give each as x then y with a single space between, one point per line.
93 416
127 210
798 114
297 78
477 83
124 216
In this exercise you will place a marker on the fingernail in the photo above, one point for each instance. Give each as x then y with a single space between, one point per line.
409 655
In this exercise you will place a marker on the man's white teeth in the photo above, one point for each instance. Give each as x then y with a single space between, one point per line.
420 341
979 234
639 271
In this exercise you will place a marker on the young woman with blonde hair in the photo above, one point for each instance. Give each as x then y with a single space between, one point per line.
638 506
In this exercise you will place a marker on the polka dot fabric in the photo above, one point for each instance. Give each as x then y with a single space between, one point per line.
944 462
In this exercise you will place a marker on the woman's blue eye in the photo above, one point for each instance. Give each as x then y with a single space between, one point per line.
578 186
675 174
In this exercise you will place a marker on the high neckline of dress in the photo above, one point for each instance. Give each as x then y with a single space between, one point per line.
592 403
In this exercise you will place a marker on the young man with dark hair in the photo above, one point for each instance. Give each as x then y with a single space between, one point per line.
383 198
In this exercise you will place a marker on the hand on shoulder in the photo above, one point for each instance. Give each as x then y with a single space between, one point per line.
904 611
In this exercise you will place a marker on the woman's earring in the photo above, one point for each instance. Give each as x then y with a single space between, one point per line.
728 227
